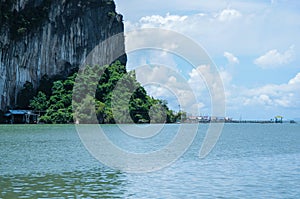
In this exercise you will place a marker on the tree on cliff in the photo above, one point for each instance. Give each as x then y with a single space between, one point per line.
39 102
59 109
110 92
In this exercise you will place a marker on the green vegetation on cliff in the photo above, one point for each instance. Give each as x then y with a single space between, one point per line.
23 21
119 98
30 18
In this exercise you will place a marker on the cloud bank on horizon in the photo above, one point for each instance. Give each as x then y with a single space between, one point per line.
253 43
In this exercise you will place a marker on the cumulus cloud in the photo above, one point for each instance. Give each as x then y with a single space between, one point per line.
273 95
295 80
247 29
231 58
157 19
171 85
209 88
202 77
193 92
167 21
228 15
247 25
263 101
274 58
166 83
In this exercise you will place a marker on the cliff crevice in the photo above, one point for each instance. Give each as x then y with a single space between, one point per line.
50 37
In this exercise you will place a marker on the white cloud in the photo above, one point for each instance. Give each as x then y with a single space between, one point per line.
171 85
165 83
251 27
196 79
194 94
264 100
258 29
273 95
156 19
137 8
228 15
231 58
209 88
295 80
203 77
273 58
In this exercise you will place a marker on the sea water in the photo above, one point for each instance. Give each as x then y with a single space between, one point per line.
248 161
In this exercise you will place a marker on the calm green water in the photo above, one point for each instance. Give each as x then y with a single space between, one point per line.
249 161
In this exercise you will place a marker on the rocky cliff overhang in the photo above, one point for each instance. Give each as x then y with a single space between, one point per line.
39 37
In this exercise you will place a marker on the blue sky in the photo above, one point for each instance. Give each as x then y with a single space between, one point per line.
254 44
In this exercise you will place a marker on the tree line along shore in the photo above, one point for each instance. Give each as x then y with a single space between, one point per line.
109 92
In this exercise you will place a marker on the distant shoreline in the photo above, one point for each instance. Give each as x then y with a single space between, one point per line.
200 122
252 122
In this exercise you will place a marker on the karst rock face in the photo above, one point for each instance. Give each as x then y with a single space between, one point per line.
52 37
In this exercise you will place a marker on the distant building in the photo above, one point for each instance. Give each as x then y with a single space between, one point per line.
213 118
204 119
278 119
20 117
228 119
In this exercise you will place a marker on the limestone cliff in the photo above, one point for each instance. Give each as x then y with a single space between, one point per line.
39 37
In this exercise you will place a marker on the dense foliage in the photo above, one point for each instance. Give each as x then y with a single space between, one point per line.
106 94
30 18
23 21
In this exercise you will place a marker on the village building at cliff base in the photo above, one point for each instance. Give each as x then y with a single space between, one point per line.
20 117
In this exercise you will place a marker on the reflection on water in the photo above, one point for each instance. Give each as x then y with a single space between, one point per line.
49 161
98 183
249 161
